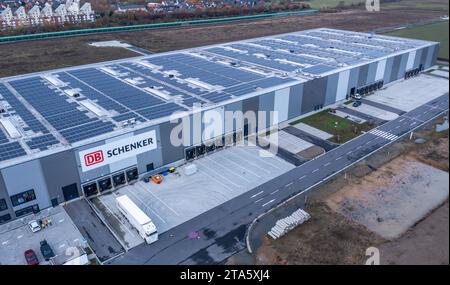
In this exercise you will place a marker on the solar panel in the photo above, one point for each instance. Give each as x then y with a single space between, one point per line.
42 142
11 150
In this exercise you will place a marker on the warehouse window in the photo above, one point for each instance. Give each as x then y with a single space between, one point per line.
5 218
23 197
3 205
27 210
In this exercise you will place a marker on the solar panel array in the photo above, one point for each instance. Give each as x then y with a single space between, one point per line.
156 86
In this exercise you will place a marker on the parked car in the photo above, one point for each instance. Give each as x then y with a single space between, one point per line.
34 226
31 257
46 250
357 103
357 96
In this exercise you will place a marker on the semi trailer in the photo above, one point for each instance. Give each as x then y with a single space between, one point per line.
138 219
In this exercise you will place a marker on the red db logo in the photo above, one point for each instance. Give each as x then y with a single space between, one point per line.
93 158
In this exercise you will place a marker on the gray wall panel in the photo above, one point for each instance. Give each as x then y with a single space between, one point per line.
266 104
332 83
295 101
314 94
402 67
395 68
418 58
388 70
170 153
353 79
362 77
231 126
27 176
60 170
423 58
372 72
251 104
4 195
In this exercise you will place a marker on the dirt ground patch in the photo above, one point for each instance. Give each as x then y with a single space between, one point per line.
392 199
426 243
327 238
331 238
32 56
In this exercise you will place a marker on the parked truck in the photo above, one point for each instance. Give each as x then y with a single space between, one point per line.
138 219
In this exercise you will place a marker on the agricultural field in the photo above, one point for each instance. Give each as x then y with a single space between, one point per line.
437 32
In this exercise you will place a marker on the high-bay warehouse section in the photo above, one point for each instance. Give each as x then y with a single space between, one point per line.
104 130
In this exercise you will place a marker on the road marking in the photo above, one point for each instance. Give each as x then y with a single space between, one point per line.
259 200
386 135
326 164
302 177
19 237
268 202
413 123
257 194
274 191
63 245
349 152
5 242
60 221
315 170
339 158
360 146
157 198
401 120
289 184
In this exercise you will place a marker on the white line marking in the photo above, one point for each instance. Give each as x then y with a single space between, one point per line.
60 221
315 170
302 177
19 237
257 194
289 184
339 158
268 202
156 197
274 191
259 200
5 242
326 164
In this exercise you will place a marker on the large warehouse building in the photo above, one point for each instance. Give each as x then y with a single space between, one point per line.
85 130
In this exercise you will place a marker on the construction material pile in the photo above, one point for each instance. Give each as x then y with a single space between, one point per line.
283 226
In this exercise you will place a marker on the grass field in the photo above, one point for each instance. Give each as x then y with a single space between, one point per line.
342 129
318 4
416 4
437 32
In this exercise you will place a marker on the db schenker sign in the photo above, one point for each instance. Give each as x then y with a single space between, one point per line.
117 150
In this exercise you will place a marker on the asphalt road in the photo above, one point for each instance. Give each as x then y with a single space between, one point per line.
222 229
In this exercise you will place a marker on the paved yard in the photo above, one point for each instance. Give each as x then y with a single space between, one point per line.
401 94
16 237
221 176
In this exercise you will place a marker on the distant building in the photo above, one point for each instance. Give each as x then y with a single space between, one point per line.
40 12
125 8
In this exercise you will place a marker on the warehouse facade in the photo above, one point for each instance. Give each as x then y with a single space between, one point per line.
77 132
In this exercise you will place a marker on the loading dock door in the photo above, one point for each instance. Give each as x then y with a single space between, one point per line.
70 192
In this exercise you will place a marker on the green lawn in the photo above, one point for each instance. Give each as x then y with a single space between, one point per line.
318 4
342 129
437 32
416 4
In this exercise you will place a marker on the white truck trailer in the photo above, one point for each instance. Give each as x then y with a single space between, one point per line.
138 219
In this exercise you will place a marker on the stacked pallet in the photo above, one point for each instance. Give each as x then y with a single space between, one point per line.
283 226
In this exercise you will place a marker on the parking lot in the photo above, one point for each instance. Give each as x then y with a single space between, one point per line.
221 176
16 237
401 94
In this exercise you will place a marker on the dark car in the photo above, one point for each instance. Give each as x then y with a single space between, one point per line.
46 250
31 257
357 103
